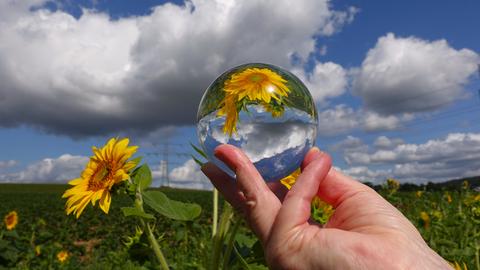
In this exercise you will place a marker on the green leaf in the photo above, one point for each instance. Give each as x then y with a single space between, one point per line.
171 208
198 161
199 151
3 244
132 211
142 177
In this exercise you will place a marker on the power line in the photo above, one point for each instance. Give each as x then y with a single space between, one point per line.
165 153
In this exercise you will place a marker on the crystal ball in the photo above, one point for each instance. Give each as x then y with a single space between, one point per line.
264 110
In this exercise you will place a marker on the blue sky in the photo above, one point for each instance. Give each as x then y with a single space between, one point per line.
395 83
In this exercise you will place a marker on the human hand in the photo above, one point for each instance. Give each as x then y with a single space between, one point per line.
365 231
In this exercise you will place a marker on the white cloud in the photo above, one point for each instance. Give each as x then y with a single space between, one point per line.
324 81
135 73
404 75
342 119
337 120
351 143
189 176
364 174
4 164
374 121
455 156
59 170
384 142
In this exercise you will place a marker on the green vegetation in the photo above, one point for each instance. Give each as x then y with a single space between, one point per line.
448 220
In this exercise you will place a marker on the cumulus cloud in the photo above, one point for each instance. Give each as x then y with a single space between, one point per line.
189 175
95 75
351 143
58 170
365 174
325 80
383 142
341 119
4 164
405 75
455 156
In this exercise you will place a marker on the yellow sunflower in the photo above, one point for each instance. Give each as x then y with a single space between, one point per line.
62 256
107 167
38 250
230 110
253 84
425 218
289 180
11 220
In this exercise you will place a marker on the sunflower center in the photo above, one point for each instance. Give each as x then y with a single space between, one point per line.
257 77
10 219
101 177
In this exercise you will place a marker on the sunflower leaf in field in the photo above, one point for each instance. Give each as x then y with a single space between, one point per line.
159 202
12 234
132 211
142 176
3 244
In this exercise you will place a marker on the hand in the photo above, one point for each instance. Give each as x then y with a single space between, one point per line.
365 231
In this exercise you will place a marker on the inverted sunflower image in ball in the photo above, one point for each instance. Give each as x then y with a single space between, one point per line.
264 110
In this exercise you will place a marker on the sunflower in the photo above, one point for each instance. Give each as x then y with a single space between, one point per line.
322 211
425 219
289 180
38 250
253 84
230 110
62 256
11 220
107 167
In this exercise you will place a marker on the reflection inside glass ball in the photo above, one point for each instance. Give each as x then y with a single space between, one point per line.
265 111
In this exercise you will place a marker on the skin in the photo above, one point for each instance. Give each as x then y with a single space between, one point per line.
365 232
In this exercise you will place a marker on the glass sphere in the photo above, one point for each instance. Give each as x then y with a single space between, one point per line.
262 109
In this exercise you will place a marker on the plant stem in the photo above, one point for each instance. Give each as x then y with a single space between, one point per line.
151 237
156 247
218 238
231 242
215 212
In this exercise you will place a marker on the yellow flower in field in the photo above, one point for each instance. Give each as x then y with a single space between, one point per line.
419 193
253 84
11 220
62 256
477 198
38 250
288 181
448 197
465 184
392 185
425 218
107 167
437 214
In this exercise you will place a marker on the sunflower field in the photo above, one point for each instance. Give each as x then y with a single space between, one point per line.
40 236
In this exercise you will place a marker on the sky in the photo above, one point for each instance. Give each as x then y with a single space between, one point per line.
396 83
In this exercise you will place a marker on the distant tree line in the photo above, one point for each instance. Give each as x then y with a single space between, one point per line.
456 184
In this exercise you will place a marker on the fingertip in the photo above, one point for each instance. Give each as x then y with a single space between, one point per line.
312 154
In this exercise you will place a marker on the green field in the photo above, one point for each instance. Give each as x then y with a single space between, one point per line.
450 224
